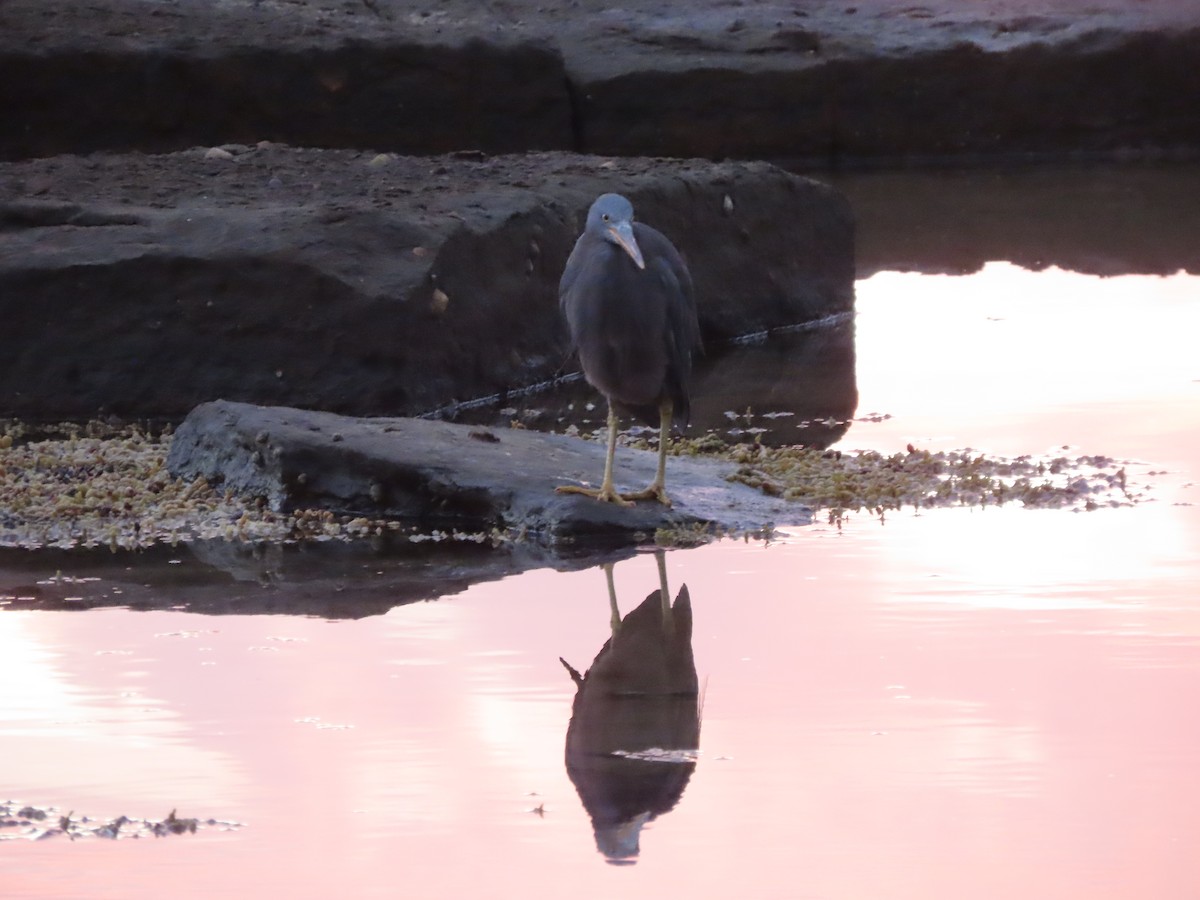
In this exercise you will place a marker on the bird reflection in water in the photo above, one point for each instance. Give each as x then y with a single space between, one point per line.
635 722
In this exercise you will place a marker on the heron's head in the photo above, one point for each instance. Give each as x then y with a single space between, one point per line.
611 217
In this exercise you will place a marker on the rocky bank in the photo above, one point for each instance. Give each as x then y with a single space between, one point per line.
819 80
369 284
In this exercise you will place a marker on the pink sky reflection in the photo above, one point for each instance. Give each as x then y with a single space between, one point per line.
977 360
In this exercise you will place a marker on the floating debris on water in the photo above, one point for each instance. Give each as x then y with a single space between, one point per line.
657 754
25 822
316 722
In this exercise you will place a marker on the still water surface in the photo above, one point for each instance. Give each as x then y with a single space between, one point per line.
961 703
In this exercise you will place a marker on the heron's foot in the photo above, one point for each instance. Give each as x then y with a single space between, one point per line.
604 495
653 492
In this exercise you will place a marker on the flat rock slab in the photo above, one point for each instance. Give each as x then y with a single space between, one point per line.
455 476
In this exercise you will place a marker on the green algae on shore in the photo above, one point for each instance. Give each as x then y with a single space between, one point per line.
837 482
869 480
94 485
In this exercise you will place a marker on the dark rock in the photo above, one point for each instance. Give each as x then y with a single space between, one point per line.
439 475
157 93
366 284
1098 95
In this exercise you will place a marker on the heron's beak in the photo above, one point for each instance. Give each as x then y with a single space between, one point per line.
621 234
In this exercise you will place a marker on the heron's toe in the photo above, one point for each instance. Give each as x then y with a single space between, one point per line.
614 497
654 492
608 495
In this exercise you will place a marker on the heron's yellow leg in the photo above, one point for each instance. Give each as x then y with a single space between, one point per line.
615 613
658 488
606 492
664 594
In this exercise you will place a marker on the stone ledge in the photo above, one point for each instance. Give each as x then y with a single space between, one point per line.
824 81
142 285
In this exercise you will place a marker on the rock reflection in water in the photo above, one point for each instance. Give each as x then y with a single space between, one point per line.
635 722
799 387
788 387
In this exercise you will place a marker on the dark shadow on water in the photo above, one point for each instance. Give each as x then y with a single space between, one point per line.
795 387
331 580
799 388
635 721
